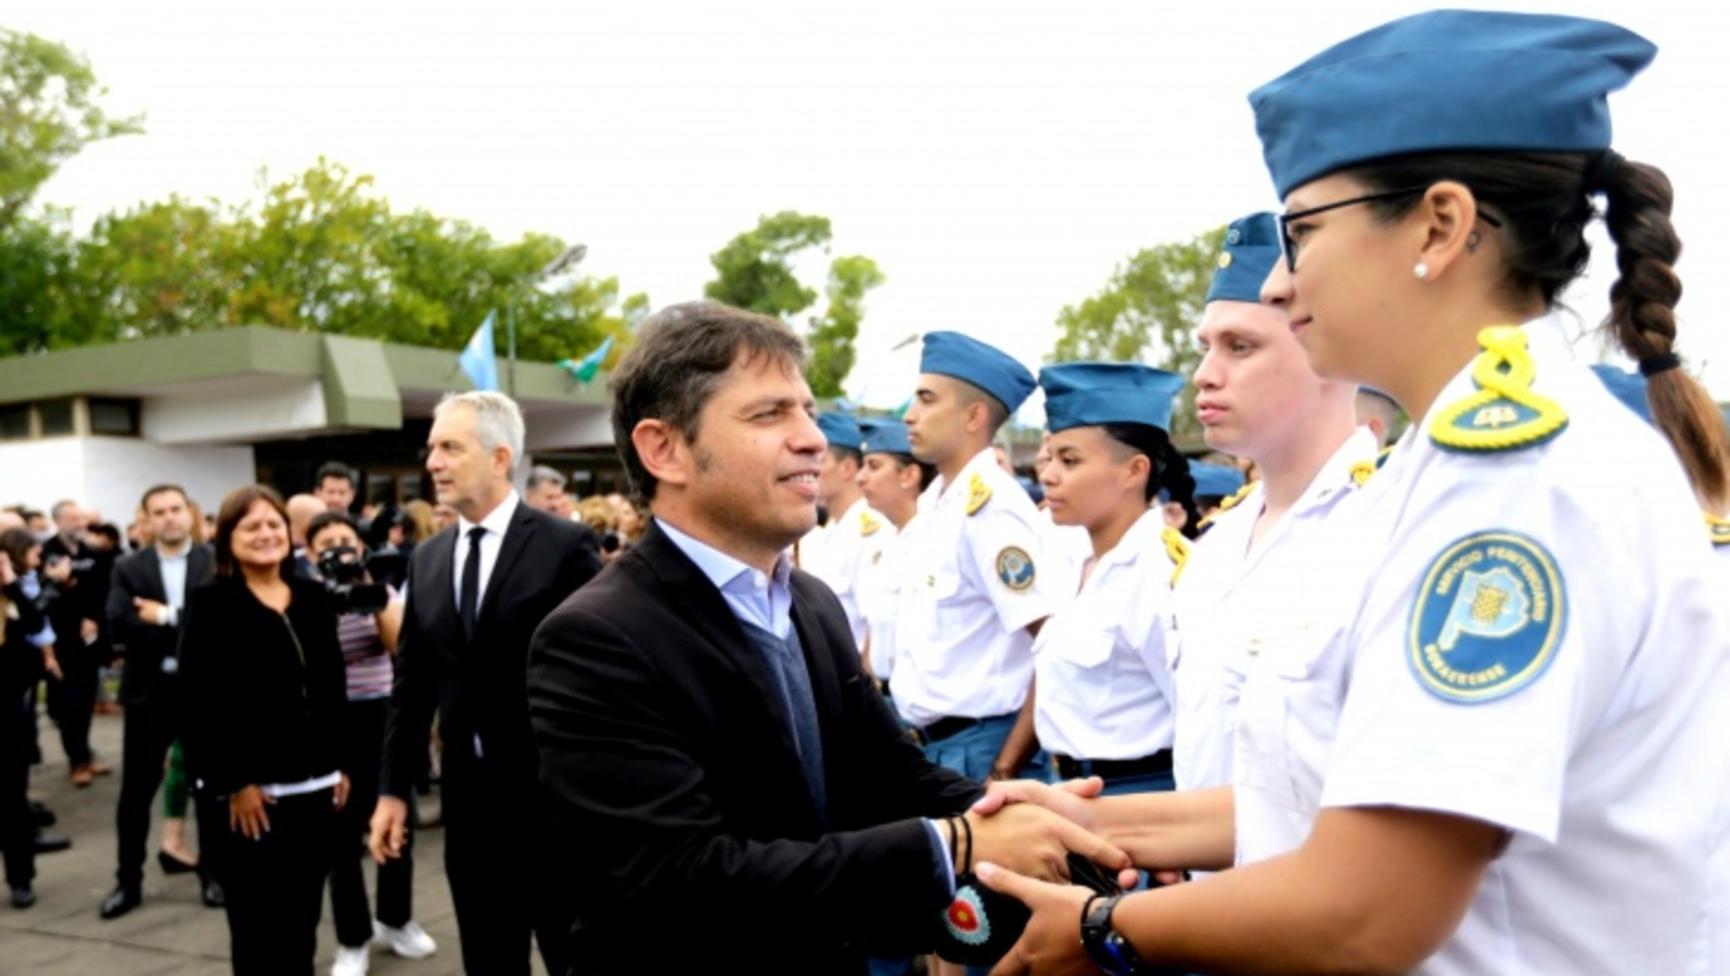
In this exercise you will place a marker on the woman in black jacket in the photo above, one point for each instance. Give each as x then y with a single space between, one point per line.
22 664
264 697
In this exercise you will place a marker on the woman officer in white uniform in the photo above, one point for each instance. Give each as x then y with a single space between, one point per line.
1526 678
1105 705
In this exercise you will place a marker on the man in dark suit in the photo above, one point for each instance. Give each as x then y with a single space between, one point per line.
478 590
145 598
741 796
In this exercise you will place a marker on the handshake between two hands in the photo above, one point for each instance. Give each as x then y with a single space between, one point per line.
1029 828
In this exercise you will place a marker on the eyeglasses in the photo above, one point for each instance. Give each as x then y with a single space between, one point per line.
1289 247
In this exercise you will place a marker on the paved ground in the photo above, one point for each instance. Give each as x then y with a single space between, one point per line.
172 932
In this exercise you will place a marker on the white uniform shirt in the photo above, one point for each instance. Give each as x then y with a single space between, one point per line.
838 553
1237 601
962 647
1097 695
1067 550
880 582
1600 741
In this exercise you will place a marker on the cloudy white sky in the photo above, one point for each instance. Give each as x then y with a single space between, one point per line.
996 158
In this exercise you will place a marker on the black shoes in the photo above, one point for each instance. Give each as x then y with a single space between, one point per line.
120 901
51 843
174 865
42 816
23 897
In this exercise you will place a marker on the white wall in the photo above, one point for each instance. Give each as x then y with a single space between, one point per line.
234 415
111 473
37 474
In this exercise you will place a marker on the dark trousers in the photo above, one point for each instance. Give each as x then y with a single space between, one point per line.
72 699
506 878
151 727
17 826
275 886
363 742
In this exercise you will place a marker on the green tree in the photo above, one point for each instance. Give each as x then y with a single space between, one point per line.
755 270
1147 312
48 112
834 333
36 307
322 251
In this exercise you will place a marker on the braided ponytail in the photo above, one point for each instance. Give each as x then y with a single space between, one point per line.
1643 320
1178 483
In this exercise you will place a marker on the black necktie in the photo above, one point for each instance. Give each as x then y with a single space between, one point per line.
470 605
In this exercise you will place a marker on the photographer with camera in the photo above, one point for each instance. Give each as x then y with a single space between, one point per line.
371 619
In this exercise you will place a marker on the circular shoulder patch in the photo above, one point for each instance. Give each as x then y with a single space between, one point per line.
1015 568
1488 618
966 918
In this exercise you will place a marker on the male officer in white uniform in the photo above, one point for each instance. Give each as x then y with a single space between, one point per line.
964 665
839 551
1245 591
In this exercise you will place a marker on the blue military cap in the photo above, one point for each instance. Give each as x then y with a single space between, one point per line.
1630 388
1215 480
840 430
1448 79
885 436
971 361
1089 394
1250 249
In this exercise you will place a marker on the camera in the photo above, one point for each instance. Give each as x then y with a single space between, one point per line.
345 575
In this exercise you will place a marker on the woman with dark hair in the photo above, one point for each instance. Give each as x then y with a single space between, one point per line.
26 651
265 694
1105 704
1522 681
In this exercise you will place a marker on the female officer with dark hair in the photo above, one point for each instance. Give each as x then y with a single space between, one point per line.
1524 677
1105 705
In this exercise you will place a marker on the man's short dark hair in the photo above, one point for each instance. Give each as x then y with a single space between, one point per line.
337 469
671 372
155 490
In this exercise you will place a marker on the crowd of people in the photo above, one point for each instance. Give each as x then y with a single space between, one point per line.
843 694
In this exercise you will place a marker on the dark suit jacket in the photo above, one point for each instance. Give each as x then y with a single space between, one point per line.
478 689
670 763
145 645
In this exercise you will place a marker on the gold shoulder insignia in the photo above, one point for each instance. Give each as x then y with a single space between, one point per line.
1226 504
1503 414
1362 471
868 525
1719 528
978 493
1177 548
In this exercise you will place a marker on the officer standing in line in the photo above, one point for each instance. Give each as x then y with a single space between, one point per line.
1105 700
838 551
892 481
964 665
1253 583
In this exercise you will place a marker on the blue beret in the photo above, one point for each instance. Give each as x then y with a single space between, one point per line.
1448 79
1630 388
840 430
1251 248
969 360
1089 394
888 436
1215 480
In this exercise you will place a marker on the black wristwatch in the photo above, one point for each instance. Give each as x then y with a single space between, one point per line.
1107 947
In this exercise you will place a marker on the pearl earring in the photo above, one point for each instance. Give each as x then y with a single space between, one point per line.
1420 271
